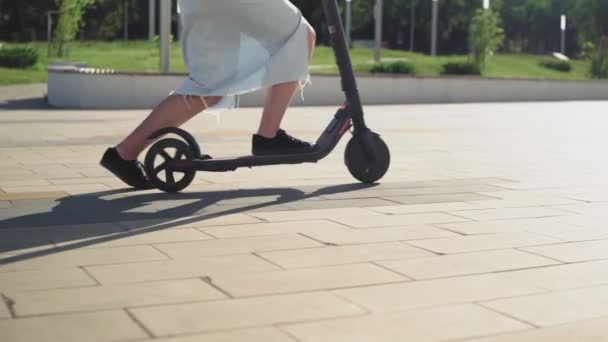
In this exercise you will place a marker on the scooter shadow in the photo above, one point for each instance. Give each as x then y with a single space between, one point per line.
87 220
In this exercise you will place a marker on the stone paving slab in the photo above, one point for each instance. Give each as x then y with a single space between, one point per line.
337 255
41 238
437 324
398 220
272 228
181 250
562 276
574 252
509 213
437 292
302 280
486 227
83 257
243 313
595 330
466 263
96 298
556 308
45 279
429 208
544 225
382 234
73 328
250 335
4 313
178 269
473 243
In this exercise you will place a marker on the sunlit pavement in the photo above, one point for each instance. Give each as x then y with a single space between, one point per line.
491 225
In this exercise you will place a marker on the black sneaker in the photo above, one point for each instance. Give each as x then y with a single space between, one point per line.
129 171
282 143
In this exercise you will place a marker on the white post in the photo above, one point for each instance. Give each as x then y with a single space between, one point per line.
377 52
486 4
179 23
165 34
434 28
563 40
151 19
349 21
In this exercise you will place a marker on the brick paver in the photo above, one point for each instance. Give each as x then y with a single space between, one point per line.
490 226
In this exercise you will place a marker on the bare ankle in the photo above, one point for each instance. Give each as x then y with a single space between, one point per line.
124 154
267 133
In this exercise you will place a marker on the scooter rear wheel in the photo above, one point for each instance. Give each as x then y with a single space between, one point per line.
367 166
157 165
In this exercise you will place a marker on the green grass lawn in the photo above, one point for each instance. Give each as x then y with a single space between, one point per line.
143 56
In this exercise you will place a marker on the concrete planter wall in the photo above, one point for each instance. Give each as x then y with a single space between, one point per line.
70 87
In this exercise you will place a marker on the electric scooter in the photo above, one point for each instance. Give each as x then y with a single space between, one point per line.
171 164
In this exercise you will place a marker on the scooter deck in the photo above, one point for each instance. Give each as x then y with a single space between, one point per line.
231 164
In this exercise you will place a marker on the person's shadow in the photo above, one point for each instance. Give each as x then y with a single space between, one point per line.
78 221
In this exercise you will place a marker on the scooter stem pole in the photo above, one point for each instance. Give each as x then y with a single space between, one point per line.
349 83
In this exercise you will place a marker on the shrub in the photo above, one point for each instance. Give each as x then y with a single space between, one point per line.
18 57
393 68
563 66
460 68
587 51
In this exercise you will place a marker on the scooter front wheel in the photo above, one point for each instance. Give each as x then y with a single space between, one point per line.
157 165
367 163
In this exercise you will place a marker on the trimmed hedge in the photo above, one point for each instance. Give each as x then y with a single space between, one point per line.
460 68
562 66
18 57
393 68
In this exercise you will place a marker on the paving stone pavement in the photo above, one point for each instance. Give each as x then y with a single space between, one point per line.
490 226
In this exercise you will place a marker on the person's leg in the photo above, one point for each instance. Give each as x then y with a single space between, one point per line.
279 97
174 111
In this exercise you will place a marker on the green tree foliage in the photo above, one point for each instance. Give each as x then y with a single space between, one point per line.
530 25
70 21
24 20
591 18
486 36
599 62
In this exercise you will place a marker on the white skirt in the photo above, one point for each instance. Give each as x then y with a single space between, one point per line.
232 47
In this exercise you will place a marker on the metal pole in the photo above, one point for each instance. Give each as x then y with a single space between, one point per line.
434 29
165 33
151 19
179 24
126 19
349 82
49 32
412 24
349 21
563 40
377 52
